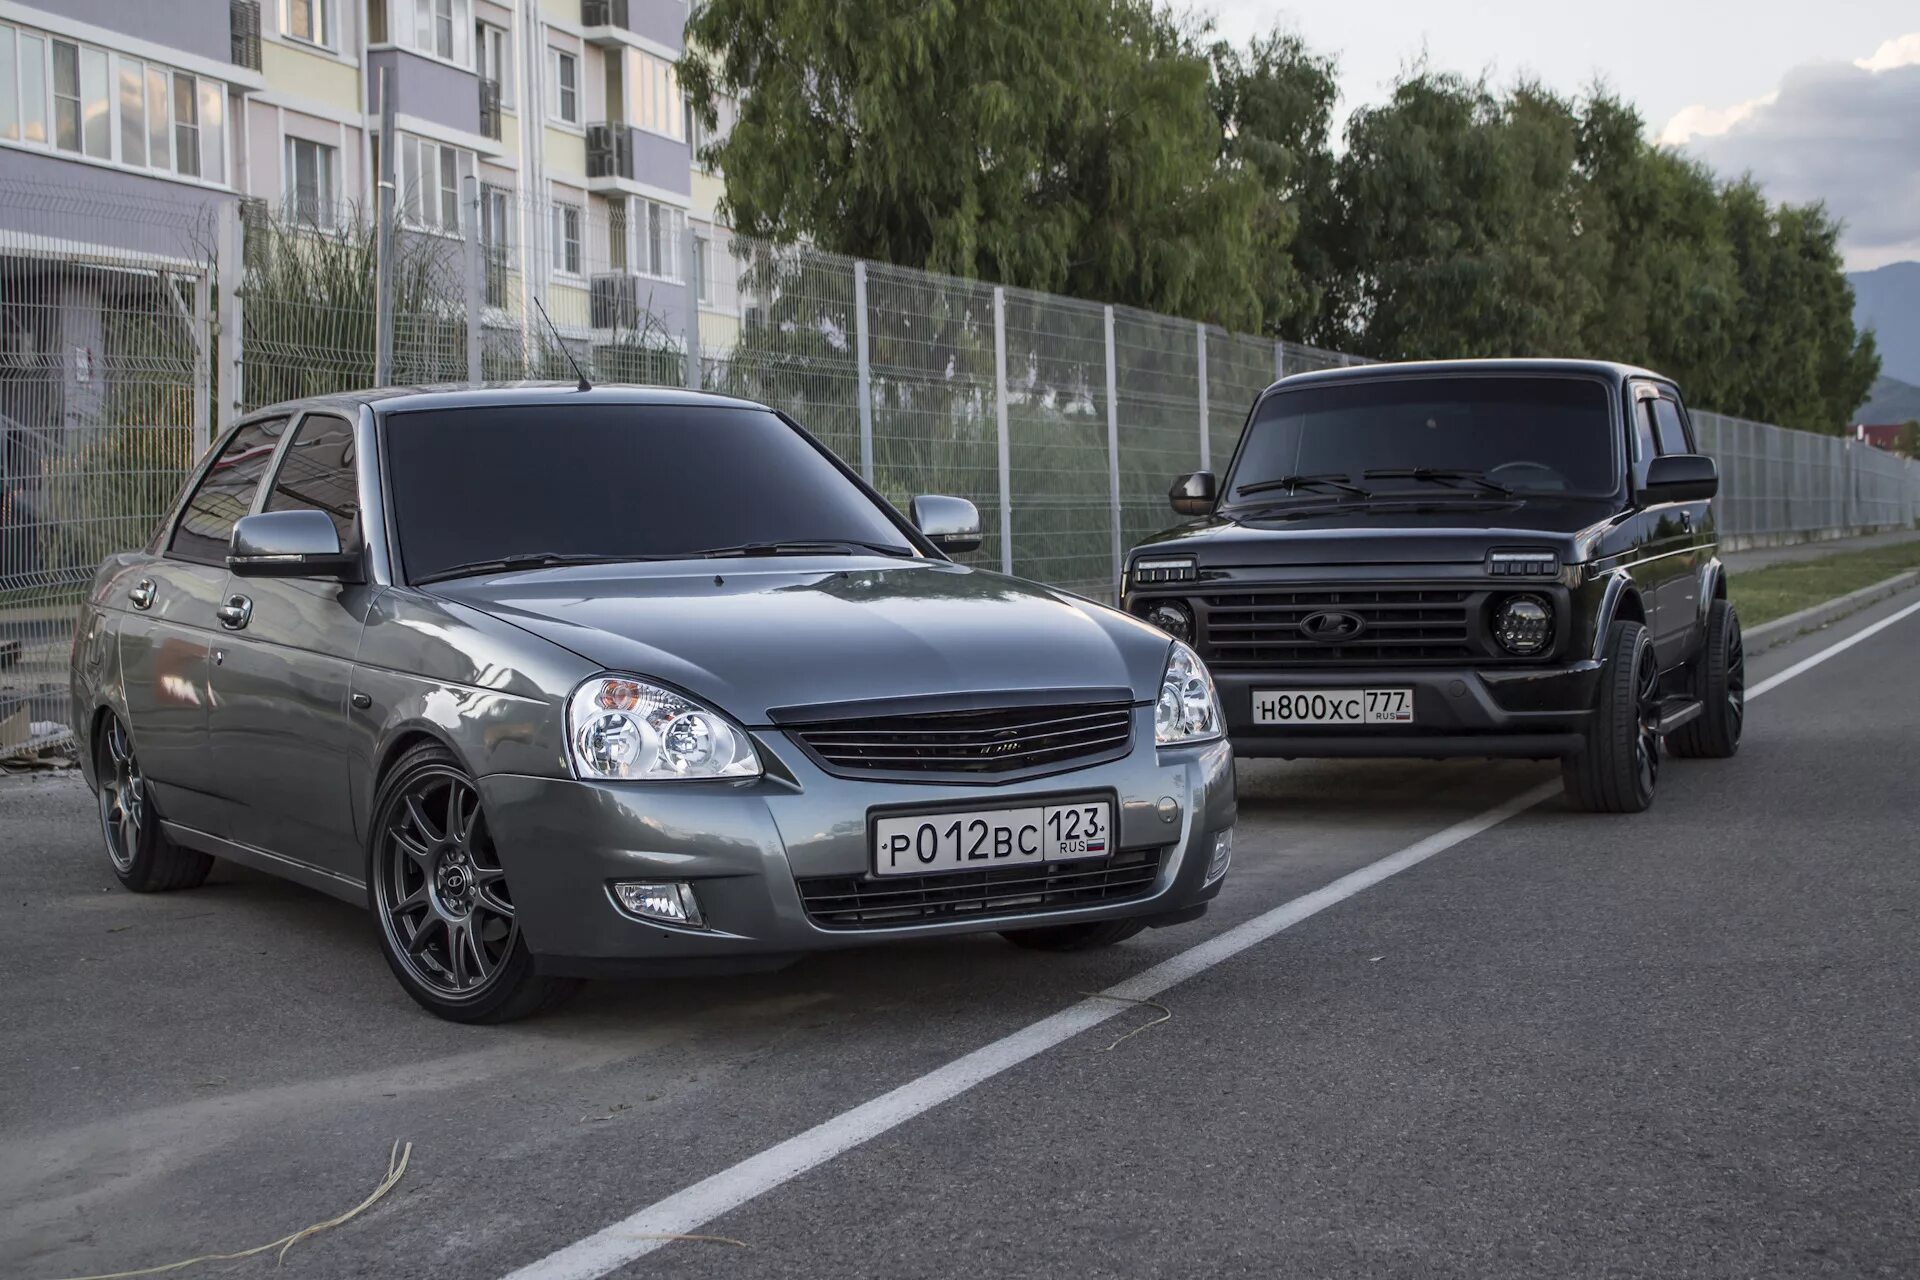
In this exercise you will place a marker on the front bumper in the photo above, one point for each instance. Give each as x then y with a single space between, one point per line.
746 845
1533 712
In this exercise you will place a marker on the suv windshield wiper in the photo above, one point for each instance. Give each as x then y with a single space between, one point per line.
805 547
525 560
1448 476
1335 480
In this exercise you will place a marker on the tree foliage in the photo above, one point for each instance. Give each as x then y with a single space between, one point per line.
1102 149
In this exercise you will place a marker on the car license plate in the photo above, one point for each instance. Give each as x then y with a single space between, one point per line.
916 844
1333 706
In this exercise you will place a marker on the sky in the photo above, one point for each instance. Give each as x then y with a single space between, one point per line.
1817 100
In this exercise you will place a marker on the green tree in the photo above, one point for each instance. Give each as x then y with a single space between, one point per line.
1275 103
1453 228
1908 442
1064 145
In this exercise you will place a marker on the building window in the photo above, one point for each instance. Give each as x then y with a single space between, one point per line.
656 230
309 180
67 95
430 181
310 20
33 88
496 240
442 28
80 118
702 269
654 102
492 58
566 237
565 70
700 138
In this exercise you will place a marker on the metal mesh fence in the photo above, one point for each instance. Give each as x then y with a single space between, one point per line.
134 330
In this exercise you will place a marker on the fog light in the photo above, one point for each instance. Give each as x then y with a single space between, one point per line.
668 901
1222 855
1523 625
1171 617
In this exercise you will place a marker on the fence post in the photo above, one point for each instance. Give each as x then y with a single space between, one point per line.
1113 455
204 363
476 294
1206 445
229 264
692 271
1279 359
1000 406
383 264
866 369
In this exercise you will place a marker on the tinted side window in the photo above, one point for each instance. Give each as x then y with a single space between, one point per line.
226 493
317 474
1673 433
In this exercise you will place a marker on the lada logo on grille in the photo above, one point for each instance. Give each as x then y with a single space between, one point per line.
1332 626
1002 748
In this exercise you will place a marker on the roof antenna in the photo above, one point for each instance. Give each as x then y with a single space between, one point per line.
584 384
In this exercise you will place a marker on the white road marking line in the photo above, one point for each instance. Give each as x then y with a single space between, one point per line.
1839 646
679 1214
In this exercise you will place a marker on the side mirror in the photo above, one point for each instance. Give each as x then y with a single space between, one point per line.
290 544
1193 494
951 524
1680 477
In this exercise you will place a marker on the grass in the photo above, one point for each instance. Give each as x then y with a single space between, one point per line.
1762 595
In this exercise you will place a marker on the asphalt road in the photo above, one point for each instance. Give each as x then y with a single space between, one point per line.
1677 1044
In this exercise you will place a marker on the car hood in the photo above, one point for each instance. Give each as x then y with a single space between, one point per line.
1440 533
759 635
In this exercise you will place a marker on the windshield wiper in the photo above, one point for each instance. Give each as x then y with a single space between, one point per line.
525 560
805 547
1335 480
1448 476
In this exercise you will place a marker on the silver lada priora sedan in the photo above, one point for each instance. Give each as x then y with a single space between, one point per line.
565 683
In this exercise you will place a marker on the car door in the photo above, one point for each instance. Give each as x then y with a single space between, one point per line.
1680 583
1664 546
170 626
282 673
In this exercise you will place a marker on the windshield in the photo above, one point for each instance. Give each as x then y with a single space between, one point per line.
1481 436
612 482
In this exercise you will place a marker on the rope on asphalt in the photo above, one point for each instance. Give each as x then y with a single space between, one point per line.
1166 1015
396 1168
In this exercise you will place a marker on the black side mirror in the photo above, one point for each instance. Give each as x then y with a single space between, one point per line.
951 524
290 544
1193 494
1680 477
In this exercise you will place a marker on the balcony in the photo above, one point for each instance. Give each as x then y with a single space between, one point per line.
490 108
244 20
662 21
627 300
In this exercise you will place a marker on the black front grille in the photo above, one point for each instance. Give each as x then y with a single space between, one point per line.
1401 624
1003 740
870 902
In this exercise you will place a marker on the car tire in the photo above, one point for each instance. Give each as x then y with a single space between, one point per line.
1720 683
1618 768
143 857
442 908
1086 936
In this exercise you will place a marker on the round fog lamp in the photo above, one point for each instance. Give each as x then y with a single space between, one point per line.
1523 625
1171 617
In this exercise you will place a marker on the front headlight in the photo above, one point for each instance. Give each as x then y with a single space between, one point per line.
1189 709
622 728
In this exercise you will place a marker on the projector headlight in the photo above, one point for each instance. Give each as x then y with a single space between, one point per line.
1523 625
619 727
1172 617
1188 710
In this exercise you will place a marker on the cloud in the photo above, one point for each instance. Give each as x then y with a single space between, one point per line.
1841 132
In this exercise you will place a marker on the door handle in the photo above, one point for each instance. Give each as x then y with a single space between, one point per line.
235 613
142 594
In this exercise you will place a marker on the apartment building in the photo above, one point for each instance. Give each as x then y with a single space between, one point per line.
567 114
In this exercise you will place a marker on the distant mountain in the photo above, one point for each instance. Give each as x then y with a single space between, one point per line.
1887 301
1890 401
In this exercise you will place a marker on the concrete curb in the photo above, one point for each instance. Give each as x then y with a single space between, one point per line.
1781 630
